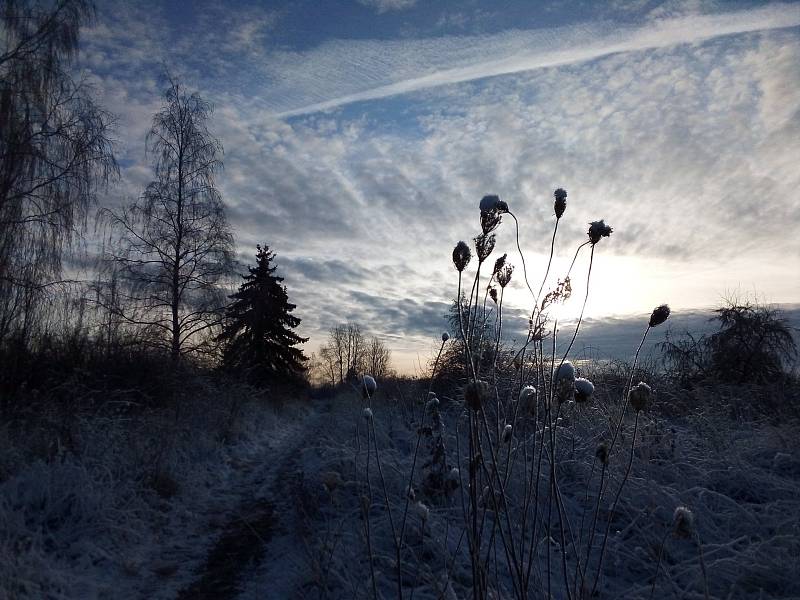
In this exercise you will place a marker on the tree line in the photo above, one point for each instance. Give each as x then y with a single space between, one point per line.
349 353
166 263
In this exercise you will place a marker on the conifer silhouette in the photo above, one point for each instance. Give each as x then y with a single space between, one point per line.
258 332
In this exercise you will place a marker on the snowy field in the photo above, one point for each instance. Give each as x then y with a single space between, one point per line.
271 503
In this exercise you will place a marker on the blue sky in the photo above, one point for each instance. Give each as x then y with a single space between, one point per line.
360 135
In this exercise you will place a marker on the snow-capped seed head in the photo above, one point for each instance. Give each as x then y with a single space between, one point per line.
598 230
560 205
454 475
504 275
502 206
489 203
583 390
659 315
527 394
461 256
507 431
431 395
475 394
602 453
368 386
422 511
565 371
368 413
484 244
639 396
445 336
683 522
433 404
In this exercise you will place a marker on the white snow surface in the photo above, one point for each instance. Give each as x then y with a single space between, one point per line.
84 525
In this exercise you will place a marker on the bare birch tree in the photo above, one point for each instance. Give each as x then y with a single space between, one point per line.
173 244
377 359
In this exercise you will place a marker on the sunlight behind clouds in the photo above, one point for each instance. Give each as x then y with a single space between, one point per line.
687 149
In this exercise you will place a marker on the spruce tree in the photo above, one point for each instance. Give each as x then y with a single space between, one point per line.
259 336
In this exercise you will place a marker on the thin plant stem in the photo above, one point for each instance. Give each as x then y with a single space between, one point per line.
522 257
614 504
658 562
702 564
583 308
367 525
400 539
625 391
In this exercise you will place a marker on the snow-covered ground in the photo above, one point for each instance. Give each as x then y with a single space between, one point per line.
277 511
136 505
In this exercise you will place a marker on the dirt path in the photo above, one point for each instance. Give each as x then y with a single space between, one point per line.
257 543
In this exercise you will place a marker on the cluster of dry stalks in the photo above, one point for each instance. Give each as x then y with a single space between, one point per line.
521 539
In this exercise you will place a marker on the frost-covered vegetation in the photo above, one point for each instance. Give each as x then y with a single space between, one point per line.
157 438
519 475
125 501
510 471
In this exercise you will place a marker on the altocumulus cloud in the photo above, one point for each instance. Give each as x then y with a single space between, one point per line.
680 131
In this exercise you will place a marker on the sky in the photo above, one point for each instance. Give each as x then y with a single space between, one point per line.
360 136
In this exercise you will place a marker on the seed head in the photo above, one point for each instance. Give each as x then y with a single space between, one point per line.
507 431
504 276
461 256
683 522
602 453
445 336
368 386
484 244
490 221
565 371
493 294
560 204
498 264
433 404
489 203
583 390
368 413
659 315
597 230
475 394
564 380
331 480
453 478
502 207
527 394
639 396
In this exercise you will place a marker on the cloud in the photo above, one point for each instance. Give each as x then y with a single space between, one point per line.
617 338
382 6
342 72
668 145
686 150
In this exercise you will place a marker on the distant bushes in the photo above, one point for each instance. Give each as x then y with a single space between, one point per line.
76 373
754 344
